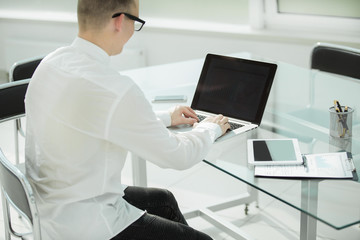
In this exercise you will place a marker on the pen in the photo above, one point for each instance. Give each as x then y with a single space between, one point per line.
336 103
350 159
305 163
343 122
345 119
345 110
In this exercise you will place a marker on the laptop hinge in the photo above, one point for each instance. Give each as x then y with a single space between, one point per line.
240 121
231 119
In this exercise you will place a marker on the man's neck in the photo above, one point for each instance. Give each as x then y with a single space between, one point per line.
99 39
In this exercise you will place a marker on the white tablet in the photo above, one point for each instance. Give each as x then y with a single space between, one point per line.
274 152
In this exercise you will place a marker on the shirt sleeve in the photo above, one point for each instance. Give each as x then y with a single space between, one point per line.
134 126
165 117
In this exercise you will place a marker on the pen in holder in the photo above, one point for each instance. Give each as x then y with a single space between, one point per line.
341 121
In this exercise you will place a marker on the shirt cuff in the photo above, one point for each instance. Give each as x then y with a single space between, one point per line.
213 128
165 117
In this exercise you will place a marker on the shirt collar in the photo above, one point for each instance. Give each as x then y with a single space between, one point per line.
91 49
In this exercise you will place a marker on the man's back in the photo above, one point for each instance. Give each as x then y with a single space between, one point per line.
75 170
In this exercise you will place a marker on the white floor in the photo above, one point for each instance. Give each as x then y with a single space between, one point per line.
204 185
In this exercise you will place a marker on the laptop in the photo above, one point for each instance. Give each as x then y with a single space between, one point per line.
235 87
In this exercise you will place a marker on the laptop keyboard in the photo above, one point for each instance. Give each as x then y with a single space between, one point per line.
233 126
201 117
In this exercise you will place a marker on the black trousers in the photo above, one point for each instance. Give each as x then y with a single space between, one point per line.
163 220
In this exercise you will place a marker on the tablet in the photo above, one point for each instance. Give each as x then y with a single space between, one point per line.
274 152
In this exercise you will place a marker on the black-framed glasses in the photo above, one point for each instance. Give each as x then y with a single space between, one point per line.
139 23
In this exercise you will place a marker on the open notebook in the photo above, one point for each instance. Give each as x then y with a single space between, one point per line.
323 165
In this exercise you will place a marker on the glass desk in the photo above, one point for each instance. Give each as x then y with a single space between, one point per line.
333 202
297 108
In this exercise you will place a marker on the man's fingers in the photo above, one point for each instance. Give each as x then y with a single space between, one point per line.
188 112
224 120
190 121
191 110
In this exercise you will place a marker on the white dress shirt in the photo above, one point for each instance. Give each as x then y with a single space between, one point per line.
82 119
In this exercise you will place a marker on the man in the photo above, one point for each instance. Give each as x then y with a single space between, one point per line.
82 119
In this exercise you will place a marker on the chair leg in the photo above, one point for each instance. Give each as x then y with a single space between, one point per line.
6 215
16 137
246 210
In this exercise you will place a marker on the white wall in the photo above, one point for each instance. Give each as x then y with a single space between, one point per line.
169 46
21 39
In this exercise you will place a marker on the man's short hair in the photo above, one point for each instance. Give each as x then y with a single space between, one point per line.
95 14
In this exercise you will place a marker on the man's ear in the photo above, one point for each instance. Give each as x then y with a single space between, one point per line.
118 22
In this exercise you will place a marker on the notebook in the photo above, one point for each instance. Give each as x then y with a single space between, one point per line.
320 165
235 87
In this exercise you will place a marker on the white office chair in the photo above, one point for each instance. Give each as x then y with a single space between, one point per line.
17 194
21 70
12 96
12 107
336 59
24 69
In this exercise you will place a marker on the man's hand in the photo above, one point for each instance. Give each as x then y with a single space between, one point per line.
183 115
220 120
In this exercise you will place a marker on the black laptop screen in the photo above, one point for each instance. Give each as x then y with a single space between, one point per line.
234 87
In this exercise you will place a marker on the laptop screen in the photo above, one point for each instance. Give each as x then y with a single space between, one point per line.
237 88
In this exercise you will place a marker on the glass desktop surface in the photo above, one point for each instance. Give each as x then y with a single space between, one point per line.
338 200
298 108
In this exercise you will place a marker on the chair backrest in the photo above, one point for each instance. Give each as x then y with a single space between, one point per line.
12 97
24 69
17 192
336 59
